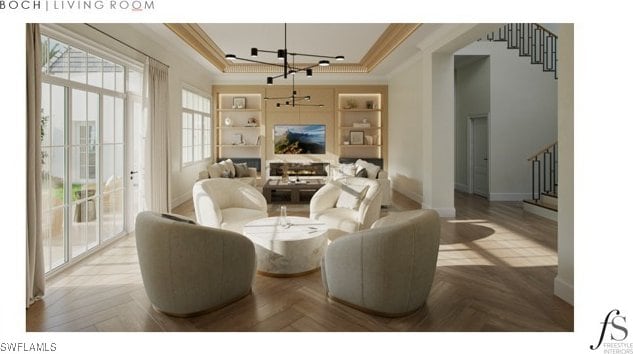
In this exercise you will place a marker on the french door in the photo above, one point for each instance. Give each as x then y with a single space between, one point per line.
83 164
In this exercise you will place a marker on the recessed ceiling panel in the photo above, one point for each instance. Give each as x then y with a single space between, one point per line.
352 40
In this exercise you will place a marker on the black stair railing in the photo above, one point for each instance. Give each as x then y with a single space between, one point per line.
532 40
544 171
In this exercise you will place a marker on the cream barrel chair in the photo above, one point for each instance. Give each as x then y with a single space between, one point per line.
227 203
387 270
333 205
190 269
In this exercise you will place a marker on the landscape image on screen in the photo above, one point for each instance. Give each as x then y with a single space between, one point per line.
300 139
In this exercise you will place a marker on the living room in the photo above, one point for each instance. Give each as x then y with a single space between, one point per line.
409 109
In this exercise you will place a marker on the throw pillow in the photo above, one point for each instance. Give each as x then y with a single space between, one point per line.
348 169
362 172
241 170
229 166
372 170
351 196
179 218
225 174
215 170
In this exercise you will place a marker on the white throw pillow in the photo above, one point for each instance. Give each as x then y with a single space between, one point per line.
215 170
348 169
228 166
372 170
351 196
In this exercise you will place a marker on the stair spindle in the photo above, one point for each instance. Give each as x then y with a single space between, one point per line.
532 41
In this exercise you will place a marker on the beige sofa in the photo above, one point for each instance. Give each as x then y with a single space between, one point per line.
387 270
229 169
190 269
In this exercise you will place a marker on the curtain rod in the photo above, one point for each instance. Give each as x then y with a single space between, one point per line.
125 44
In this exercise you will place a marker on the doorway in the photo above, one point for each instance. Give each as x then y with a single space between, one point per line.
479 181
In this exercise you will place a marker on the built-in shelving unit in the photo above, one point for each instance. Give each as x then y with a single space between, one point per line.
360 125
239 126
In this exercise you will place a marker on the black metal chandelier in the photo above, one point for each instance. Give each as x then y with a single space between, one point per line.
293 100
289 68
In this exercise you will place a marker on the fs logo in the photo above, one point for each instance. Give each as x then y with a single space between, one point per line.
618 326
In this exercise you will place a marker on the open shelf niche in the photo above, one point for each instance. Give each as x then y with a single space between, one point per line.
239 126
360 125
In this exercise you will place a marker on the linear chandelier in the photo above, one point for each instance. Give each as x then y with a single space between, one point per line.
292 99
289 67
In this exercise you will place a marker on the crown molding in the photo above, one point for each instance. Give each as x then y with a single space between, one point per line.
196 38
390 39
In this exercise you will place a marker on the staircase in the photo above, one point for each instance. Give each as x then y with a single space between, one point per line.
532 40
544 201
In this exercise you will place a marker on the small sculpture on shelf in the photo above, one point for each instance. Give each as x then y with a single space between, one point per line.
252 122
228 122
350 104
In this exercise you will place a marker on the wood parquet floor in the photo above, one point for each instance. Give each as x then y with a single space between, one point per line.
495 272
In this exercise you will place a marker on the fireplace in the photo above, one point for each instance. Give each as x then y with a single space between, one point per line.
314 169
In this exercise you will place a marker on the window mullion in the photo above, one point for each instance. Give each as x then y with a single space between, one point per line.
67 178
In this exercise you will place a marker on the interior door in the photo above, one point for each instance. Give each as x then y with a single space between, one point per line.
480 181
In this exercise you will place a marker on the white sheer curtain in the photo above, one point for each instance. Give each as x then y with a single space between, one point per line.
157 171
34 250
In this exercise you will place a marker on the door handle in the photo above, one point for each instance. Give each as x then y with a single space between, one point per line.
132 173
485 159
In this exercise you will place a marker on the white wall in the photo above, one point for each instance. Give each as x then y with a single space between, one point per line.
564 282
523 117
421 118
405 131
181 71
472 97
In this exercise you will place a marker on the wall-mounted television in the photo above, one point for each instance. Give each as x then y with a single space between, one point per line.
299 139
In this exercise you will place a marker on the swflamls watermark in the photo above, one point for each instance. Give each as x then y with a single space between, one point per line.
28 347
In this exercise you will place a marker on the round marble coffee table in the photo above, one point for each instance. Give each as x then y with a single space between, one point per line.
287 251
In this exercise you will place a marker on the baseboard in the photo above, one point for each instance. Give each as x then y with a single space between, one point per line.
564 290
541 211
444 212
462 187
180 199
411 195
508 197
